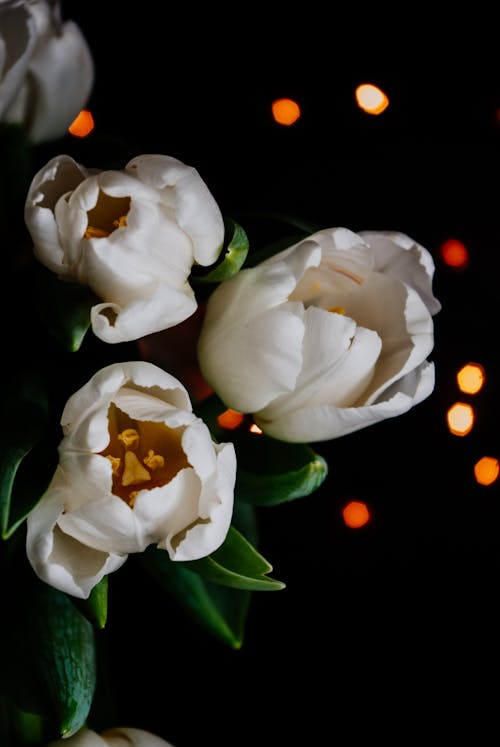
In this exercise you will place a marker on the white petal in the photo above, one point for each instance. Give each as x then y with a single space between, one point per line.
251 365
60 560
184 190
60 175
166 511
62 75
107 524
165 308
198 446
398 255
125 737
17 41
338 363
143 406
325 423
216 503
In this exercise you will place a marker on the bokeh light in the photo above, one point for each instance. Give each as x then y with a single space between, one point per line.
285 111
454 253
486 470
356 514
371 98
254 428
471 378
460 418
230 419
83 124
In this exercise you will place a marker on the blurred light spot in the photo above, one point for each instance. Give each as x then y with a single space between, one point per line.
356 514
285 111
470 378
454 253
82 125
230 419
371 98
255 428
486 470
460 418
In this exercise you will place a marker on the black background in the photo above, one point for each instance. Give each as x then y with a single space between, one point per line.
390 632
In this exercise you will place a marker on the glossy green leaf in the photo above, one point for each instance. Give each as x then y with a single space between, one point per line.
232 256
95 607
271 471
220 610
49 654
27 455
65 308
238 564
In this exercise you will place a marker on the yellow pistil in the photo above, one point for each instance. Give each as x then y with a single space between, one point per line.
337 309
115 463
129 437
153 461
134 473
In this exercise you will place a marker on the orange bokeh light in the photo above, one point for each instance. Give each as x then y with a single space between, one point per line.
356 514
254 428
454 253
82 125
460 418
470 378
486 470
230 419
371 99
285 111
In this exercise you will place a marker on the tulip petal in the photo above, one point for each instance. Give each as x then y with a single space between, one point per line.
414 265
325 423
338 363
125 737
17 41
59 559
184 190
60 175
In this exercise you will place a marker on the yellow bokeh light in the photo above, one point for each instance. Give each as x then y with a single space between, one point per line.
460 418
355 514
285 111
470 378
486 470
371 98
82 125
254 428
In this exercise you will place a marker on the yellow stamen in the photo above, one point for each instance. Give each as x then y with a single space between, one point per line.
115 463
120 222
92 232
337 309
134 473
153 461
131 497
129 437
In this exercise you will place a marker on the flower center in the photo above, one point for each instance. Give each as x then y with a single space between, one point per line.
143 454
108 214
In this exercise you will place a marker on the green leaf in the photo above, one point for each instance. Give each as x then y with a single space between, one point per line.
49 655
27 456
232 256
238 564
65 308
95 607
219 610
271 471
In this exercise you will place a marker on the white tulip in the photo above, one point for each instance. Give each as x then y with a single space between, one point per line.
326 337
136 467
132 236
119 737
46 68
